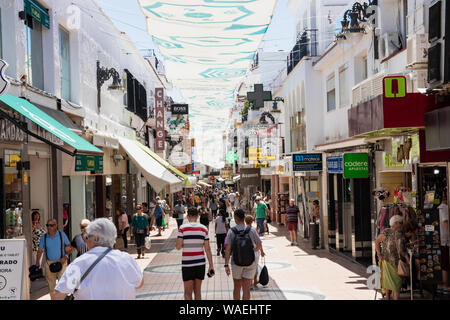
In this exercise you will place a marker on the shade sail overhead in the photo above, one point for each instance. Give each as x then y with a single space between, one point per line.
155 173
44 120
208 46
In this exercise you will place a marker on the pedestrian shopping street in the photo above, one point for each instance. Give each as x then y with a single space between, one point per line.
296 272
328 120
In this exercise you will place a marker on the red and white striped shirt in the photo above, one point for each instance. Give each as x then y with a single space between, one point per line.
194 236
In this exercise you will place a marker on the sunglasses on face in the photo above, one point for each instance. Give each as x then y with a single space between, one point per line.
50 225
82 227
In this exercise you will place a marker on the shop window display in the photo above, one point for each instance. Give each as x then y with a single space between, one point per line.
13 194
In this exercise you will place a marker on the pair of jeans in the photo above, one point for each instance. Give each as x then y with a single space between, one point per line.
140 241
260 224
124 237
220 237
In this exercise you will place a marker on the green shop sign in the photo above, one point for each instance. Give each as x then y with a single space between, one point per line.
37 12
356 165
84 162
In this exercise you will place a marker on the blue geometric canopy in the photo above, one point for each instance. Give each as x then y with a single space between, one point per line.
208 46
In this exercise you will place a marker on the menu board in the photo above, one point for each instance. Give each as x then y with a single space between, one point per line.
429 245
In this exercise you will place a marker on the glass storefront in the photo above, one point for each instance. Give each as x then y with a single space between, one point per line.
13 194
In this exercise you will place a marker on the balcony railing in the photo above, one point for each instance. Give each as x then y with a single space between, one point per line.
306 45
367 89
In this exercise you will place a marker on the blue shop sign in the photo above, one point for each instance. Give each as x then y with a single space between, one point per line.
334 165
307 162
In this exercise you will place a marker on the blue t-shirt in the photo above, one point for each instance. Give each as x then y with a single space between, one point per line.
54 245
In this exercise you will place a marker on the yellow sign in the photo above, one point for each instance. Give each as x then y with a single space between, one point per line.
255 154
262 164
25 178
13 159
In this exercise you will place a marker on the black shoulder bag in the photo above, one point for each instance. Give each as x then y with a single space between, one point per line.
54 267
71 297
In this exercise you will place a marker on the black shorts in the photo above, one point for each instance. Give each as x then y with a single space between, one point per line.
158 221
445 258
193 273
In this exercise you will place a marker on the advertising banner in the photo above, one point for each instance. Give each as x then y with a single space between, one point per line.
159 115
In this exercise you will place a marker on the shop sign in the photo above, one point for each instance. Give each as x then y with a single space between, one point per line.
250 177
307 162
84 162
394 87
159 112
12 254
256 154
356 165
334 165
179 109
195 172
37 12
10 132
226 173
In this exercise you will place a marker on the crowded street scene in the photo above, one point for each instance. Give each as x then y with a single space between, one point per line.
224 150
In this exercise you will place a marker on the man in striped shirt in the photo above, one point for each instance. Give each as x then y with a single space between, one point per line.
193 238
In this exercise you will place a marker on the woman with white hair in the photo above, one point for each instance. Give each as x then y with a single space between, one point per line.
105 274
391 247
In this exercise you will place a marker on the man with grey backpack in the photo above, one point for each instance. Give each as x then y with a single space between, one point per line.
241 244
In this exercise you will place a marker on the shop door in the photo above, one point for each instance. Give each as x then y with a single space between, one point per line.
331 212
362 219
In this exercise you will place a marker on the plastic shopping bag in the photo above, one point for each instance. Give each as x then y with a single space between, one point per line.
148 243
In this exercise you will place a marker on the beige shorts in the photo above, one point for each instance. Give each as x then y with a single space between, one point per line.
243 272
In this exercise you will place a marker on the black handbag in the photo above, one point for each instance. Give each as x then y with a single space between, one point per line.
71 296
54 267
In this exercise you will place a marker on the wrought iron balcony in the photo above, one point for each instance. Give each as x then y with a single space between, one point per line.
306 45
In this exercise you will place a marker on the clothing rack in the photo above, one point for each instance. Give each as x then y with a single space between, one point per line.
390 209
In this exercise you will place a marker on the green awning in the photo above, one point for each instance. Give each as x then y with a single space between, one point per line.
165 163
48 123
37 12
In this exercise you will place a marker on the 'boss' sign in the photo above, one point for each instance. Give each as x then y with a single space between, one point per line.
159 110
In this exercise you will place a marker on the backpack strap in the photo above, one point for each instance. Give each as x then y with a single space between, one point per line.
247 229
235 230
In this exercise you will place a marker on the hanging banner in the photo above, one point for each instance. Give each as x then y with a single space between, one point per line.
159 115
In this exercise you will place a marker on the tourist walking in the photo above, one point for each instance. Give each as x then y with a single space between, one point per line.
57 248
241 244
139 227
249 222
158 215
212 205
178 213
124 226
292 217
261 212
194 240
37 231
115 275
79 241
221 229
390 247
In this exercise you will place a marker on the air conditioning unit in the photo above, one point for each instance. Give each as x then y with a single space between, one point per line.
417 49
390 43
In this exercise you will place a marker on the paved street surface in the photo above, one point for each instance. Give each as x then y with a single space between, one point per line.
296 272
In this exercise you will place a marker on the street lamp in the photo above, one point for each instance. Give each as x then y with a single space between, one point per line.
103 75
